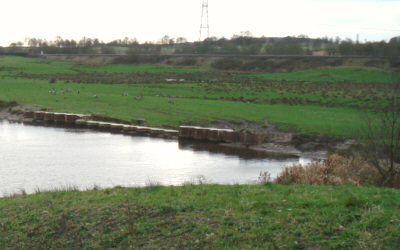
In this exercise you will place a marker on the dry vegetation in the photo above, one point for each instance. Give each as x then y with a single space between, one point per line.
336 170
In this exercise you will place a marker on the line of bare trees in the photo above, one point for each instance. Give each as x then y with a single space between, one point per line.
243 43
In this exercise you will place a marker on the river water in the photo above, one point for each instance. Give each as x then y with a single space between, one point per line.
44 158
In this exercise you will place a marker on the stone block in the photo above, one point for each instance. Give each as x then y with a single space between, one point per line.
230 136
201 133
117 126
127 128
213 135
156 132
48 116
170 132
59 117
187 132
28 114
104 125
251 139
142 130
71 118
39 115
80 122
92 124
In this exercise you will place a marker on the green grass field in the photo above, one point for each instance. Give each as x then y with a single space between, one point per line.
331 108
140 68
16 65
205 216
335 75
309 119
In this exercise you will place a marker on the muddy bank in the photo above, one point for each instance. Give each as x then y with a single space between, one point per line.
290 143
13 112
240 135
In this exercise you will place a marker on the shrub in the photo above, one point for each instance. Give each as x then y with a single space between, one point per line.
138 59
187 62
227 64
336 170
394 62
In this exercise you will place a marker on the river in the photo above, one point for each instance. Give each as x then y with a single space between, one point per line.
45 158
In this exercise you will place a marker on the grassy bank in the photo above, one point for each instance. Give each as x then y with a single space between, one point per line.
212 216
320 101
157 111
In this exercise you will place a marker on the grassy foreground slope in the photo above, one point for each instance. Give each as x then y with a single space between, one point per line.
213 216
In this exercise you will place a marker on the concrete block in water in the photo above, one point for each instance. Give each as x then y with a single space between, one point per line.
48 116
127 128
156 132
187 132
38 115
142 130
230 136
71 118
201 133
133 129
28 114
28 121
80 122
216 134
167 133
251 139
104 125
92 124
59 117
171 132
117 126
213 135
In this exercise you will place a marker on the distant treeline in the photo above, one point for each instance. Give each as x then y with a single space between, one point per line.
243 44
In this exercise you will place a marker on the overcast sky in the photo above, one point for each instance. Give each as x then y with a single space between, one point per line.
149 20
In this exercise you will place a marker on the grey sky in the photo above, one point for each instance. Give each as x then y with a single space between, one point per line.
151 19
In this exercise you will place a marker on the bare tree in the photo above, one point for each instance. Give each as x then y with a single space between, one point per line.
164 39
181 40
32 42
381 138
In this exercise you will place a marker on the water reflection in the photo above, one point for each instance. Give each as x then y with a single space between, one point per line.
241 152
34 157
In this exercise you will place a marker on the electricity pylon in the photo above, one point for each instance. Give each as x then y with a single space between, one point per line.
204 23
